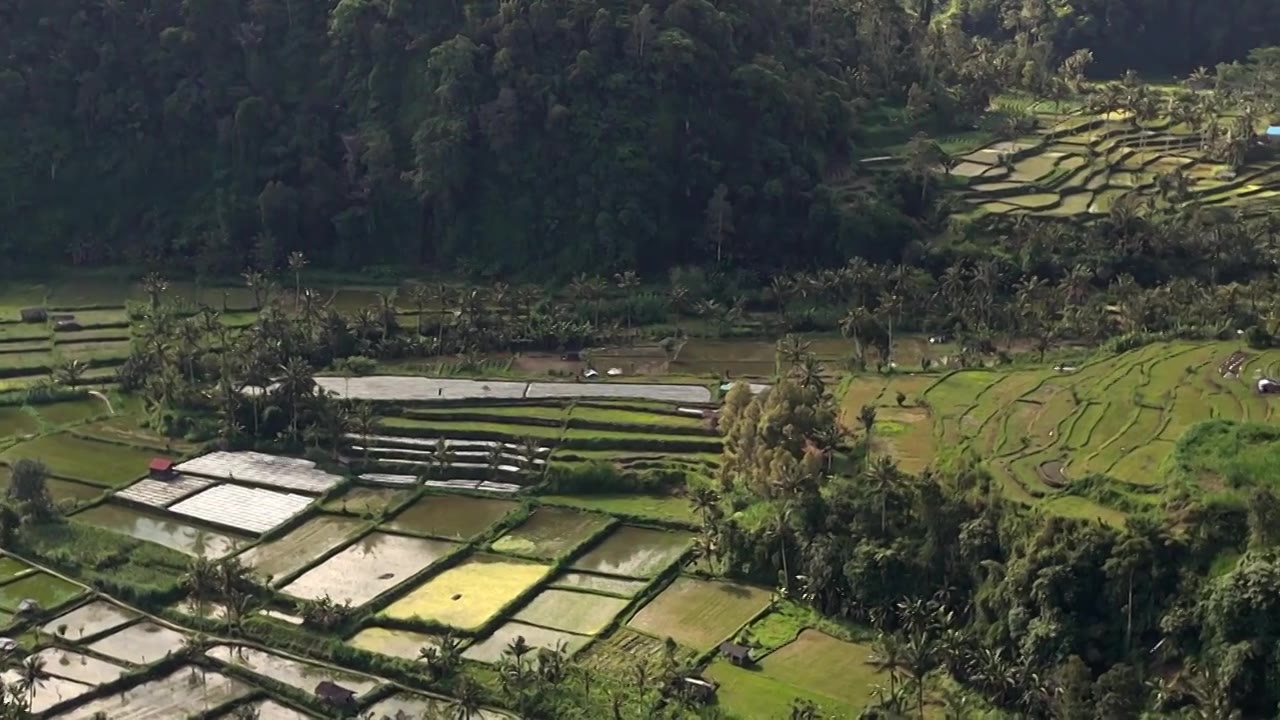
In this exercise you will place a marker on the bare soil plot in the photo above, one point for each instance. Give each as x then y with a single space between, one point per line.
260 468
490 649
297 548
252 510
303 676
50 691
184 537
469 594
571 611
599 584
140 644
79 667
369 567
451 516
404 644
550 532
635 552
700 614
185 692
88 620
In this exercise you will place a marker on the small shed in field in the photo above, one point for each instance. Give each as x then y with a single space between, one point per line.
335 695
739 655
161 469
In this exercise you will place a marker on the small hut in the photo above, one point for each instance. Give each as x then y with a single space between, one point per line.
739 655
161 469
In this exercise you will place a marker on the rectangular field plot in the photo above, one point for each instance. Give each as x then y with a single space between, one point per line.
88 620
161 493
369 567
468 595
99 463
550 533
140 644
42 587
267 710
632 391
169 532
79 667
262 469
48 692
296 549
451 516
635 552
11 568
571 611
413 705
366 500
404 644
185 692
252 510
700 614
302 676
599 584
391 387
490 649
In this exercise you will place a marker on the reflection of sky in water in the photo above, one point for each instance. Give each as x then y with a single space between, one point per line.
635 552
296 674
169 533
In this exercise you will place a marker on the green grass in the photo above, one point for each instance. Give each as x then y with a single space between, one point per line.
44 588
655 507
785 622
1221 453
445 429
94 462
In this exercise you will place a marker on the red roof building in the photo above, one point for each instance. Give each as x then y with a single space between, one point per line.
161 468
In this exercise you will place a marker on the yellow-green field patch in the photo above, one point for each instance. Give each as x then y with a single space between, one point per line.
468 595
571 611
700 614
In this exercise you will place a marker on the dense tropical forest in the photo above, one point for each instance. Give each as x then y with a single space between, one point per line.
545 137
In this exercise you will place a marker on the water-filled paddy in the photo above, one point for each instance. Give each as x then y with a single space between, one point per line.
576 612
297 548
490 649
393 642
50 691
550 533
42 587
420 706
79 667
270 710
185 692
303 676
88 620
366 500
174 534
139 644
635 552
599 583
370 566
467 595
451 516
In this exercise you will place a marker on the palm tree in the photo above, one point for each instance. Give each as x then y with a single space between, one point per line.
201 581
31 676
883 478
626 282
887 657
920 656
466 699
851 327
154 285
255 281
419 296
790 351
704 500
867 416
297 261
678 301
365 420
68 372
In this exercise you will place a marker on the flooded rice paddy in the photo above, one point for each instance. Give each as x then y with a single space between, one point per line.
79 667
50 691
140 644
366 500
370 566
635 552
451 516
599 584
297 548
550 533
185 692
303 676
175 534
468 595
88 620
490 649
576 612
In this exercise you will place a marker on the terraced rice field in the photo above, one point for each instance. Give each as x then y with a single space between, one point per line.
163 530
392 642
469 594
634 552
1084 165
172 696
300 546
140 644
571 611
45 589
1040 430
549 533
90 461
491 648
302 676
89 620
700 614
450 516
370 566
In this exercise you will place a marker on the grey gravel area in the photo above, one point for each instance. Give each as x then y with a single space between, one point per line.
160 493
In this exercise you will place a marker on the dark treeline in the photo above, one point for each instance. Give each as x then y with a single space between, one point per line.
541 137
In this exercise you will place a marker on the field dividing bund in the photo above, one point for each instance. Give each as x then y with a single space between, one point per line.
1040 430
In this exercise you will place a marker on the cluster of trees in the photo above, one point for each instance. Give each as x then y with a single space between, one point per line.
1040 615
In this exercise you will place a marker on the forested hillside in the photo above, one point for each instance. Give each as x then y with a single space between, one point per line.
546 137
